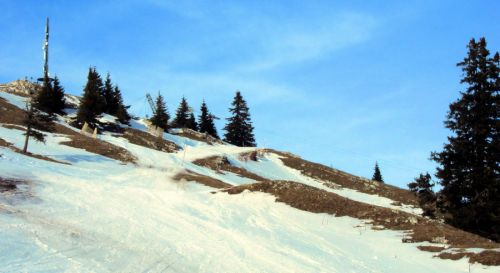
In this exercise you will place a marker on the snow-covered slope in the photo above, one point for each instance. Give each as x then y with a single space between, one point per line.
96 214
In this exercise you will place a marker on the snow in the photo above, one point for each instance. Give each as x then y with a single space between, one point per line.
17 101
98 215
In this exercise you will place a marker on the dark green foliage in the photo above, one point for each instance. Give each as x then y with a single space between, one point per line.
239 129
50 98
161 116
58 97
35 122
206 121
191 122
110 99
469 163
422 187
181 119
121 110
377 176
92 103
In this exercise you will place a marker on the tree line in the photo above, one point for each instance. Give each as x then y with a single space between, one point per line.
103 97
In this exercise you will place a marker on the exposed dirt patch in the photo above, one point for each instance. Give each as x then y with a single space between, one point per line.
323 173
431 248
149 141
100 147
219 163
486 257
8 184
202 137
10 113
419 229
202 179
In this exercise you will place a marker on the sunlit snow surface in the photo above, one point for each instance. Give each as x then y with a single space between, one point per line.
98 215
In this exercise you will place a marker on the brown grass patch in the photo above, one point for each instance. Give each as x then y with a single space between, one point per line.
420 229
202 179
219 163
431 248
331 175
147 140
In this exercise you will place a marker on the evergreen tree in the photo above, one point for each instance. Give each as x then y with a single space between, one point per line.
182 115
92 103
470 167
121 110
422 187
161 116
43 99
206 121
191 122
36 121
59 103
239 129
109 97
377 176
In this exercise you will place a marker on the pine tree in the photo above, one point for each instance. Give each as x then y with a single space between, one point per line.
59 102
161 116
44 100
469 169
182 115
109 97
239 129
92 103
422 187
377 176
191 122
206 121
121 110
36 121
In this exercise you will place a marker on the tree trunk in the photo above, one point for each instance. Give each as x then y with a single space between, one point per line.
28 132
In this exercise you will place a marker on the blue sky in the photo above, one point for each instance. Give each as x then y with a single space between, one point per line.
344 83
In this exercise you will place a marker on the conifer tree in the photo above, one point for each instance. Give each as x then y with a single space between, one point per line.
35 122
377 176
182 115
206 121
239 129
109 96
43 100
422 187
191 122
92 103
161 116
469 169
121 112
59 102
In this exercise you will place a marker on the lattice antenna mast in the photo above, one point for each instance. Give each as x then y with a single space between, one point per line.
151 103
46 51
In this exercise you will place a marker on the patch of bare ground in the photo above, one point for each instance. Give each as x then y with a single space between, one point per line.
4 143
418 229
202 179
220 163
147 140
97 146
10 113
202 137
331 175
431 248
12 116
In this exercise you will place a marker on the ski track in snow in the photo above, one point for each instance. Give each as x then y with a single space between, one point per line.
98 215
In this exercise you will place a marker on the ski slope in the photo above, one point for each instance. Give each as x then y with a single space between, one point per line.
99 215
